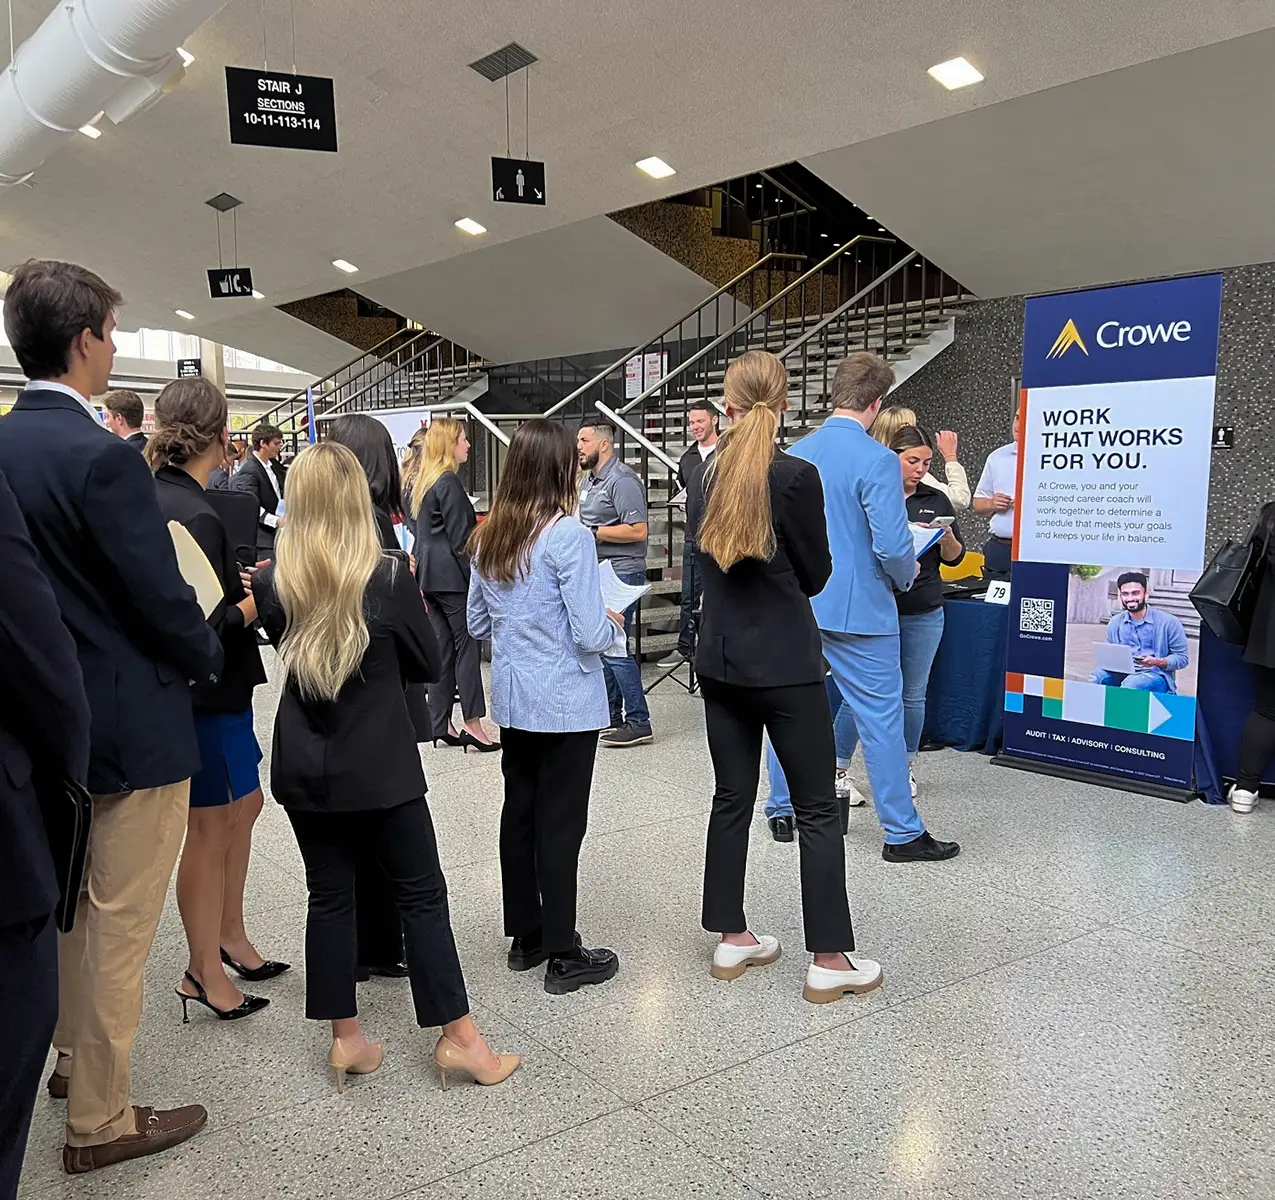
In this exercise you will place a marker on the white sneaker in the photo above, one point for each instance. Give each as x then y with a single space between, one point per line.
674 658
912 783
824 985
847 791
730 962
1241 801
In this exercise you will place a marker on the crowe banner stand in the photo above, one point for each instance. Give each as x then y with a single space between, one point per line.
1114 448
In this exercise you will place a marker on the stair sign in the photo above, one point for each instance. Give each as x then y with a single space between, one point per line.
517 181
225 283
290 112
189 368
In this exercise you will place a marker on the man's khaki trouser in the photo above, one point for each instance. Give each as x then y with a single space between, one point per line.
132 850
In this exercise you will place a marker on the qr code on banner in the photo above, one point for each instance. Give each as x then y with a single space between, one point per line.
1035 616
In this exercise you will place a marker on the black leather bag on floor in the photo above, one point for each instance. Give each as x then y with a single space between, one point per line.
1226 593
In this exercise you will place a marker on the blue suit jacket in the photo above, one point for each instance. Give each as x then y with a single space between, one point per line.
867 528
89 503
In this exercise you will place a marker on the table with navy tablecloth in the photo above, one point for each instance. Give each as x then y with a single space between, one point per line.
965 703
1224 696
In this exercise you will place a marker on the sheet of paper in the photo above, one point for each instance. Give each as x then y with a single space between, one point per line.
196 570
617 596
923 539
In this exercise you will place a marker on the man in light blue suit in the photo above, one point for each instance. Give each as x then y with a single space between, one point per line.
872 555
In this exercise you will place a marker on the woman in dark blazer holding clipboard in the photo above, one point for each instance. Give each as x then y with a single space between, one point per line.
442 519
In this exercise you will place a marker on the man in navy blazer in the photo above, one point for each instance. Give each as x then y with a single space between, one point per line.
89 504
872 555
44 740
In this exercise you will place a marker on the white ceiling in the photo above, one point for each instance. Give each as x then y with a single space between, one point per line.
715 97
1158 169
539 296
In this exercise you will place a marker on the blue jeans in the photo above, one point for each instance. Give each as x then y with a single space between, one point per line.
919 637
623 675
1142 681
867 672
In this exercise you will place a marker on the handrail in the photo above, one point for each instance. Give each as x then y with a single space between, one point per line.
615 366
297 397
395 369
787 191
612 415
770 303
840 309
470 407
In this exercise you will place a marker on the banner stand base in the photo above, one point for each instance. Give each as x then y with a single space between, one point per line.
1118 783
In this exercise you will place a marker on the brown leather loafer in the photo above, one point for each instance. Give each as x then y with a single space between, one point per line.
58 1085
158 1129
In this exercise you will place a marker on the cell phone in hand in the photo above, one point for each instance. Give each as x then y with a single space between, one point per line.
943 522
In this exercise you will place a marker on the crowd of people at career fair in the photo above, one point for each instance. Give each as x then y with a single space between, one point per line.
808 615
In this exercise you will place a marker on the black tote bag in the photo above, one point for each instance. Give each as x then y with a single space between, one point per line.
1226 593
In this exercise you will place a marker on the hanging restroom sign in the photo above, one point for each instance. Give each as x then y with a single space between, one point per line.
517 181
289 112
227 282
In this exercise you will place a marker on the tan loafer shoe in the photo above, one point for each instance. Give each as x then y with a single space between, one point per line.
158 1129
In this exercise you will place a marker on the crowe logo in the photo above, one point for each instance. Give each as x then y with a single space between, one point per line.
1069 337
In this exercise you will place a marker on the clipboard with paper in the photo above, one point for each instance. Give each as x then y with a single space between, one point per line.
617 596
924 539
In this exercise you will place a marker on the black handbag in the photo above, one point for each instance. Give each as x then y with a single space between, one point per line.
1226 594
68 818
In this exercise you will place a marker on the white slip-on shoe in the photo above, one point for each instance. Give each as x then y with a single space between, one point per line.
1241 801
912 783
730 962
824 985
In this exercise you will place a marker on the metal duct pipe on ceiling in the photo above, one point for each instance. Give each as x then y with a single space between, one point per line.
89 57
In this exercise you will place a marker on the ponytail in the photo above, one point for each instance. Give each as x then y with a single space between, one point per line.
737 522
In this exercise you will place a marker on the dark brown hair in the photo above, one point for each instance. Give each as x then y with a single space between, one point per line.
189 417
860 381
537 485
126 404
47 306
264 433
909 438
373 446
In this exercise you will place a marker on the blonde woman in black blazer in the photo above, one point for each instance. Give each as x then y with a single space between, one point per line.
442 520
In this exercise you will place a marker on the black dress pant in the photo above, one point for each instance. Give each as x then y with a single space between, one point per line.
401 839
28 1013
547 781
800 727
461 666
1257 740
380 929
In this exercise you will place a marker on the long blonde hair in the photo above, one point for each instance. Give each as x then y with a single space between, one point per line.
436 456
325 553
890 420
737 521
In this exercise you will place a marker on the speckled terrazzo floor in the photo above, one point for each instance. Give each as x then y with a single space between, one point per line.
1076 1007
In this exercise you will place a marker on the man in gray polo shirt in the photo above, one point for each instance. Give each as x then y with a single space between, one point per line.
613 506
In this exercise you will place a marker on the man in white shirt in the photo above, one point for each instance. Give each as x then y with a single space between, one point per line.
701 420
994 498
262 476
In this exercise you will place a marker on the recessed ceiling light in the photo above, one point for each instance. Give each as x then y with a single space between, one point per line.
470 226
823 235
186 56
656 168
185 316
835 245
256 295
756 185
955 73
342 265
91 131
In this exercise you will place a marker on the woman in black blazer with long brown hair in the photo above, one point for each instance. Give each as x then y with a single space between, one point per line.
762 546
350 626
442 521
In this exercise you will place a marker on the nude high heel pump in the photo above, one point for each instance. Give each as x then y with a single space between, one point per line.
347 1061
448 1056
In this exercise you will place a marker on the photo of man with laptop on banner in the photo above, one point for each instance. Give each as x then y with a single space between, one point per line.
1116 416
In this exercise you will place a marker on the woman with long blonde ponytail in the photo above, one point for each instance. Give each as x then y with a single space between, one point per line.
351 629
763 552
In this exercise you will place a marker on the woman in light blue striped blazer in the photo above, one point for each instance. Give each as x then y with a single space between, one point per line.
534 590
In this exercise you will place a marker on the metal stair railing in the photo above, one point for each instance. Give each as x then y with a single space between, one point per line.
440 366
289 412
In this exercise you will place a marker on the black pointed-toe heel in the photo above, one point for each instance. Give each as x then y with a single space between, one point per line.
451 739
250 1005
467 740
268 969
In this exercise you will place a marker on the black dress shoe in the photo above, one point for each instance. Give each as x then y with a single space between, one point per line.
398 970
527 952
568 972
781 828
920 849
